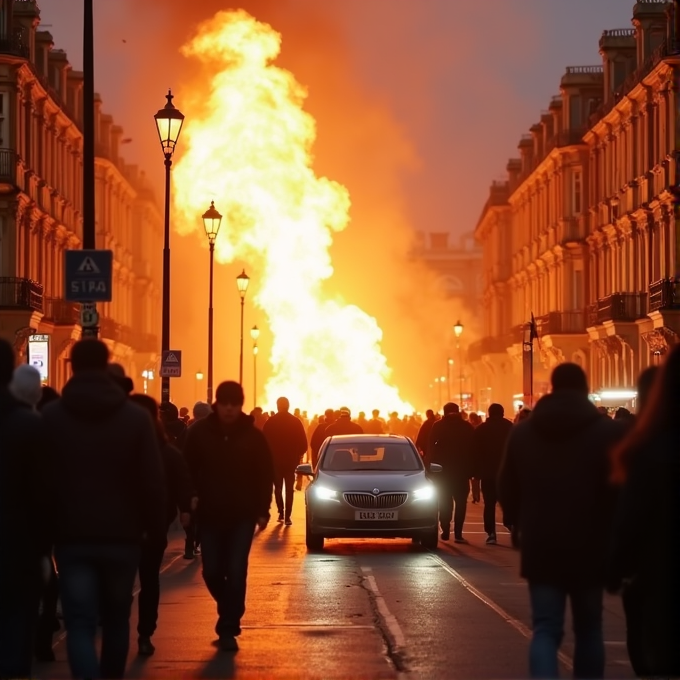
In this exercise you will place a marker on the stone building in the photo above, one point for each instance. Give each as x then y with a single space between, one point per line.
40 209
581 234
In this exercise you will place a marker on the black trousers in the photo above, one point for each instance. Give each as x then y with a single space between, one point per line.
285 477
490 494
192 536
450 492
48 623
150 562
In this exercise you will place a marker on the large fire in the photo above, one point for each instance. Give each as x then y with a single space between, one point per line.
248 146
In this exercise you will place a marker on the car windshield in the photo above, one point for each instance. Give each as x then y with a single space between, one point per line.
398 457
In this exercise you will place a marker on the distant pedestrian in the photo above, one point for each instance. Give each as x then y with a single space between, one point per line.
451 446
26 385
233 473
287 441
555 492
25 512
343 425
319 435
109 491
175 428
423 436
376 425
489 445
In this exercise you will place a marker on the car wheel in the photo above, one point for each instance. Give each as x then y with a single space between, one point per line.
313 541
430 540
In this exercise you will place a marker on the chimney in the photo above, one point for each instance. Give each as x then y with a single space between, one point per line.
74 98
536 131
618 50
526 150
650 19
548 127
555 109
514 168
581 87
43 46
97 118
104 141
59 67
116 136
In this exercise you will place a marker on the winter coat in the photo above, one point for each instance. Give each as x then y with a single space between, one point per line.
108 476
450 445
287 440
179 486
232 470
423 437
343 425
553 488
489 444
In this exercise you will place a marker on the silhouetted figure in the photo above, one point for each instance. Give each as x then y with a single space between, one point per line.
343 425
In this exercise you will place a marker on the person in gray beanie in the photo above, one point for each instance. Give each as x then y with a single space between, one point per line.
201 410
26 385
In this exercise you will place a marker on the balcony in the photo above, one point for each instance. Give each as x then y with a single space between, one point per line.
61 312
664 294
18 293
488 345
626 307
15 45
8 167
562 323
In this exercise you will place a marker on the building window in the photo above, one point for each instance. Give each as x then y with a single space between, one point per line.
577 192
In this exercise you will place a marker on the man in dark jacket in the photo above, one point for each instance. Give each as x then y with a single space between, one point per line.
175 427
450 445
233 473
424 433
489 445
109 490
319 434
287 441
343 425
553 487
24 524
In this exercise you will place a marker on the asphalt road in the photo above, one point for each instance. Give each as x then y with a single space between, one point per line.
363 609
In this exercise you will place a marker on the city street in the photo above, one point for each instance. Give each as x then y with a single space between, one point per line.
367 609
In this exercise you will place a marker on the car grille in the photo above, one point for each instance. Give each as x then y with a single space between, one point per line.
370 501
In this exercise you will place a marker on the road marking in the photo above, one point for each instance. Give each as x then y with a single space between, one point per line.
389 618
515 623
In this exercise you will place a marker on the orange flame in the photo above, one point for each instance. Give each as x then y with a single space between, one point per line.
250 149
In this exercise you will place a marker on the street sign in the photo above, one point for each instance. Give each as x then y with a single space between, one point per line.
89 318
89 275
171 364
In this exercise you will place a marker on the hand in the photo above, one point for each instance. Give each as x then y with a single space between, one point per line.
185 519
262 523
194 503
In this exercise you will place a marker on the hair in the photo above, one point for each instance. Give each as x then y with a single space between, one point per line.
202 409
7 363
89 355
661 413
429 413
282 404
48 395
451 408
569 376
150 405
230 392
26 385
496 411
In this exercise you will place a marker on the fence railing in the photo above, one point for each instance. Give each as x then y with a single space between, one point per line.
18 293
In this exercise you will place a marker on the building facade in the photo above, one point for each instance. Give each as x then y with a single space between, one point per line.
40 209
582 235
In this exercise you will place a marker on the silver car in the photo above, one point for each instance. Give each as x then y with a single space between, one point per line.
370 486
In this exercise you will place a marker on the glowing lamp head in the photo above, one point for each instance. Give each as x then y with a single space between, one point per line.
199 375
169 121
211 222
255 333
242 281
458 329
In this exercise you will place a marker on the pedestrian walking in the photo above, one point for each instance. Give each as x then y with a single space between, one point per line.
287 441
24 523
343 425
644 561
451 446
319 435
109 491
423 436
233 474
179 495
554 490
489 444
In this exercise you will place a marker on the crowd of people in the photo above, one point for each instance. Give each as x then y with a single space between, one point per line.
91 480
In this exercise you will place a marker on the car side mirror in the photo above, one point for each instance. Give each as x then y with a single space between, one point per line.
435 467
304 469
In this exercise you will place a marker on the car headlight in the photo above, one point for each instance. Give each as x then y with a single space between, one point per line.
424 494
323 493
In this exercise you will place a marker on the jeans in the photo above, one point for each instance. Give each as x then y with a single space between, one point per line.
450 492
96 582
286 477
225 552
548 604
149 585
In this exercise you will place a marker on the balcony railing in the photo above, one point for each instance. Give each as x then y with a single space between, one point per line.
562 323
664 294
61 312
18 293
618 307
8 166
15 45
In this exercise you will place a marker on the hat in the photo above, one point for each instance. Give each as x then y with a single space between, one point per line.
229 392
26 385
201 410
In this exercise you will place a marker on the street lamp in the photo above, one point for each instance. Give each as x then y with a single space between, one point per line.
211 223
449 366
255 334
199 377
242 281
458 331
169 121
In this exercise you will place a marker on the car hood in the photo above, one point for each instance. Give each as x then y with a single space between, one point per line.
370 480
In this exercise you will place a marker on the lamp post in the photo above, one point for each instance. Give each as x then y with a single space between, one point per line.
255 334
211 223
449 366
242 281
199 377
458 331
169 121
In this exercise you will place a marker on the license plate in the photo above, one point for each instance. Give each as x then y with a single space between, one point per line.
376 515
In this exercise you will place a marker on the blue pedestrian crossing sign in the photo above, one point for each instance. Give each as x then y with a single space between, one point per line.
89 275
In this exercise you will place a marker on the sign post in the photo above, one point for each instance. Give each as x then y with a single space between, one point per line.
171 364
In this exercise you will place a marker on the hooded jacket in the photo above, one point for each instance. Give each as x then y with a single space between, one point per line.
232 469
554 490
108 476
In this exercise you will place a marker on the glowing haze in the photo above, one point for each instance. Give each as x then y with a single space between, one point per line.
249 148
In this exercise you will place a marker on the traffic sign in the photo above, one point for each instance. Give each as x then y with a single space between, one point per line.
171 364
89 318
89 275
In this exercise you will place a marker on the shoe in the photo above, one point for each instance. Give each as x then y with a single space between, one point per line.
460 539
228 643
144 646
188 555
289 522
491 540
446 535
280 519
